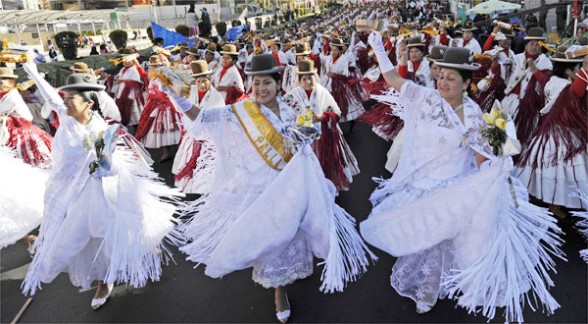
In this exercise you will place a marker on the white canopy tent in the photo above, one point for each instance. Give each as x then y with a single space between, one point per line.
19 18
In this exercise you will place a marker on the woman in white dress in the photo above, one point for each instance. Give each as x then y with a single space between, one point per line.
269 207
448 212
336 79
105 218
554 165
159 123
335 156
194 154
227 79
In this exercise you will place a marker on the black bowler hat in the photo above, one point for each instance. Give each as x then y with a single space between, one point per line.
263 64
81 82
437 53
459 58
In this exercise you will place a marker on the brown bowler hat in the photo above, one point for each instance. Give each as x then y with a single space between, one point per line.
199 68
305 67
155 60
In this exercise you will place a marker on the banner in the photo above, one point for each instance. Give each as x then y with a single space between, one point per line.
170 38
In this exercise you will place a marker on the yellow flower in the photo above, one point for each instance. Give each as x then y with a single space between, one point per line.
300 120
489 118
500 123
101 135
496 113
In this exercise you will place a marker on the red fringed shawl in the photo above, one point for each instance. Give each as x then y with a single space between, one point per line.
567 124
329 151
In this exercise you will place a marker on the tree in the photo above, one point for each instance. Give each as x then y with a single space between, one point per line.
221 28
67 42
118 38
183 29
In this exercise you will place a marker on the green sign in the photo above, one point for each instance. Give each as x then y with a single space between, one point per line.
113 16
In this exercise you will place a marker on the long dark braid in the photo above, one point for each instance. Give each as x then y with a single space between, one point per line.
92 95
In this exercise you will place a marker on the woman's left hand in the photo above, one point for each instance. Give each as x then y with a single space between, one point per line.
317 118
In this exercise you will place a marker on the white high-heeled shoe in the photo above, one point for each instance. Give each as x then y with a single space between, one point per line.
98 302
284 315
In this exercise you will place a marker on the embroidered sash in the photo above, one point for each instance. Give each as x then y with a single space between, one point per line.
268 142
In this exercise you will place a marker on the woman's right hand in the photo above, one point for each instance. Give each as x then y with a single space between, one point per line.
375 39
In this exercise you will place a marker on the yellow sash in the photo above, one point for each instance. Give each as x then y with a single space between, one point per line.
268 142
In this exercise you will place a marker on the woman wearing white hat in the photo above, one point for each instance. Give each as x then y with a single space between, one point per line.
30 143
159 124
448 212
227 79
269 207
129 88
21 143
104 217
193 164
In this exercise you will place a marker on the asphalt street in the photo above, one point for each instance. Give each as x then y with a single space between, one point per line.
185 294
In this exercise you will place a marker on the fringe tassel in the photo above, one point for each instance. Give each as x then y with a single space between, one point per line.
566 125
347 258
188 169
582 225
346 98
527 116
235 95
125 104
156 100
331 150
143 225
383 122
513 270
209 223
31 143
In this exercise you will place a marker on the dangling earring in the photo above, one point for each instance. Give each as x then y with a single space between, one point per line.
465 93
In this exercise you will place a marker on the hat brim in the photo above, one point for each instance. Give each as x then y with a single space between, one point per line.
313 71
201 74
157 64
416 45
14 76
303 53
467 67
432 59
230 53
79 86
534 38
338 45
469 29
270 71
565 60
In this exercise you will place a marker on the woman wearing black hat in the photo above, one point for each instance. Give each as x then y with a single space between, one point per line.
336 79
95 197
447 212
554 165
270 207
524 94
335 156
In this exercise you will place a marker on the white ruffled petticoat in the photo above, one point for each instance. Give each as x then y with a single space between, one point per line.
21 197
